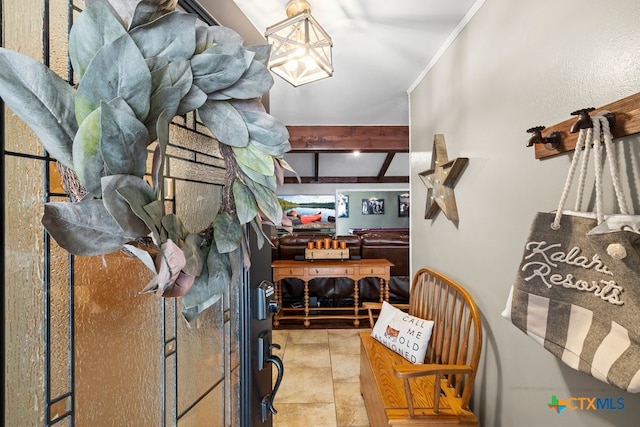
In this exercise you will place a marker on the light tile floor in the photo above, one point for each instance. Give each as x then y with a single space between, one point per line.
321 385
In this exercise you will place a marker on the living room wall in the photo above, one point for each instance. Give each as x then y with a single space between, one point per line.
388 218
514 66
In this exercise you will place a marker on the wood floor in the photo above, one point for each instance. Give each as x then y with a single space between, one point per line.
321 385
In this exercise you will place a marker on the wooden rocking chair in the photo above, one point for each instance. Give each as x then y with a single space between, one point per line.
397 392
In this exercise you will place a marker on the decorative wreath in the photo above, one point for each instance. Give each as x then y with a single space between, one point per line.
135 72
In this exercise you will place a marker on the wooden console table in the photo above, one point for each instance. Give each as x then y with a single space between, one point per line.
307 270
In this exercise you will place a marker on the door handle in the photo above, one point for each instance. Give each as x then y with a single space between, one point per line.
267 400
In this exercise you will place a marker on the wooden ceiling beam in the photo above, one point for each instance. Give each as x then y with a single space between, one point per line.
385 165
372 139
346 180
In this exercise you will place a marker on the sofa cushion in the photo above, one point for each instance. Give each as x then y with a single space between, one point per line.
391 246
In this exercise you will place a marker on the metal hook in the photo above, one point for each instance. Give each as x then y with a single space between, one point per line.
550 142
584 119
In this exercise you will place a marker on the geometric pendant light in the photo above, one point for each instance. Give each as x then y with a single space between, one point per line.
300 47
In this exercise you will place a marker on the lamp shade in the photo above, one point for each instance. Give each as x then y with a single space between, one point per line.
300 49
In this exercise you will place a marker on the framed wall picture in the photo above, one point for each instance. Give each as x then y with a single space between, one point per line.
373 206
403 205
342 206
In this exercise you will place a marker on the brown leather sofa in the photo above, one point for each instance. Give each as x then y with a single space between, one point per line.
329 292
394 247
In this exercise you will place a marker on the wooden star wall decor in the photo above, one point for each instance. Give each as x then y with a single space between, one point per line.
440 180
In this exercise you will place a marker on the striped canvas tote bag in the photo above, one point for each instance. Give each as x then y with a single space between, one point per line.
577 289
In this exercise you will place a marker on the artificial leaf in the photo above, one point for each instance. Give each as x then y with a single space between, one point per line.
123 142
138 198
263 52
195 253
145 12
282 162
158 68
206 291
193 100
164 100
172 35
255 159
227 232
279 172
106 78
119 208
180 286
267 201
157 165
225 122
174 74
268 181
245 202
87 158
169 263
84 228
41 99
264 128
175 228
207 36
257 228
255 82
121 105
274 151
286 223
142 255
97 25
214 72
155 211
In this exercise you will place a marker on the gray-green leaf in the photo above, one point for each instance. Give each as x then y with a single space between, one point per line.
194 253
84 228
96 26
264 128
138 198
267 201
255 159
213 71
172 35
107 77
123 142
119 208
255 82
227 232
208 288
246 208
225 122
42 100
207 36
89 165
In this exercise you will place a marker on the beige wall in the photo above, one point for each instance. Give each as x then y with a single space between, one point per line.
514 66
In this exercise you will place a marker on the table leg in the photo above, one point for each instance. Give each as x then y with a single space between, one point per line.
386 289
306 305
356 321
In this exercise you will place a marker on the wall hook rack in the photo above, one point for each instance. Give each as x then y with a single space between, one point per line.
625 122
584 119
551 142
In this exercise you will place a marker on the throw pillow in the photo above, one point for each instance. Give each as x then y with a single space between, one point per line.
405 334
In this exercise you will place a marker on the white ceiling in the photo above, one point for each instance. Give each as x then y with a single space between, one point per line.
380 48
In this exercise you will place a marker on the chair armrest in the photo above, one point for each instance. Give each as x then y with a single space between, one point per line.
409 370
